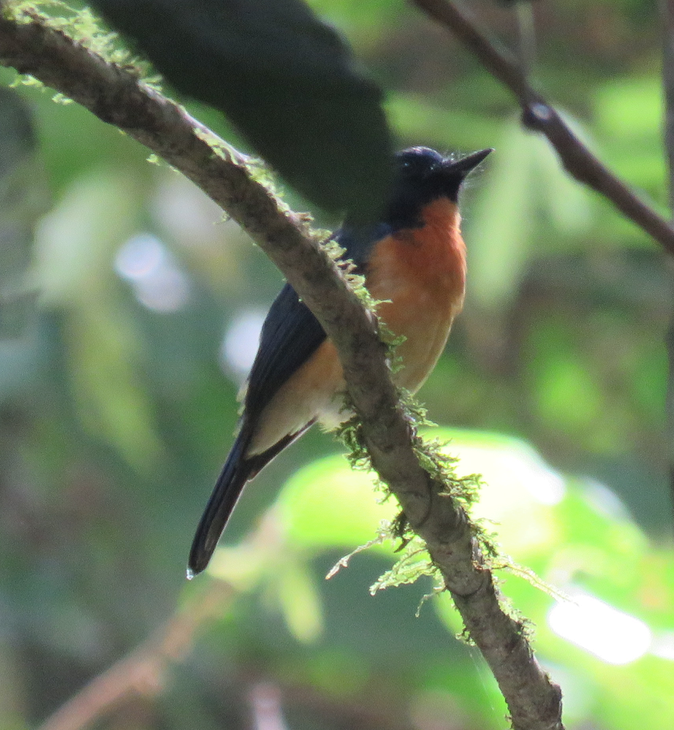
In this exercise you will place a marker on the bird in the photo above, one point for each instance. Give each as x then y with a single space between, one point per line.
414 264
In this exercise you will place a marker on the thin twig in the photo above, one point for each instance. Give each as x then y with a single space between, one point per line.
141 673
539 115
117 97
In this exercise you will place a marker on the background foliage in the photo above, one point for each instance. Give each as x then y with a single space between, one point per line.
117 401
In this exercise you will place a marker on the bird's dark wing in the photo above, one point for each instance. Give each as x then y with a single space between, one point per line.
290 336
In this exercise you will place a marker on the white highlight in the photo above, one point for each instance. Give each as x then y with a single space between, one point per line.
157 281
543 484
613 636
663 645
241 341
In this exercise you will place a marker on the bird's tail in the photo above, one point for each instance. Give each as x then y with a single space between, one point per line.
233 477
238 470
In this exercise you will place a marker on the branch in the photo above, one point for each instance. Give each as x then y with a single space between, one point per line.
141 673
117 97
540 116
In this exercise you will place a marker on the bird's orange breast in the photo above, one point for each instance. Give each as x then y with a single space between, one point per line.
420 276
420 273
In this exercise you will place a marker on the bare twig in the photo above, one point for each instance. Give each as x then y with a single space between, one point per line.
540 116
117 97
141 673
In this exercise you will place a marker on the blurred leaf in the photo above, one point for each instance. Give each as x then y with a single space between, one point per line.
568 385
268 563
111 400
630 107
74 270
328 505
364 21
285 79
564 200
300 601
415 118
525 182
519 487
77 241
569 396
576 535
23 198
10 688
501 222
629 113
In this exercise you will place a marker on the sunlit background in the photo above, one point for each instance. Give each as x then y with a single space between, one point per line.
118 406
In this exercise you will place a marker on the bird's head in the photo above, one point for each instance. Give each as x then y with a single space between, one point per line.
424 175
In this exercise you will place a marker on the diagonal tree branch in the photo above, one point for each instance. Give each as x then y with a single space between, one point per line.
117 97
540 116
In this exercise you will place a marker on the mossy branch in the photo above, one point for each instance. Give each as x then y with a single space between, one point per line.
117 96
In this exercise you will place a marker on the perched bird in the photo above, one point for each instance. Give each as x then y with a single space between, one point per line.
414 261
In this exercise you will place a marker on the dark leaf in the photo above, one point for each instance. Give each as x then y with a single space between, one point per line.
286 81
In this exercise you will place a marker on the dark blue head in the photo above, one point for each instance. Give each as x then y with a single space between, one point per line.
424 175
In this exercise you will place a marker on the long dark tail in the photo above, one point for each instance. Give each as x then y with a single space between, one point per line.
238 470
233 477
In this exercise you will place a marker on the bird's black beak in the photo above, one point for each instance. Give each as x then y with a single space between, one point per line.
463 166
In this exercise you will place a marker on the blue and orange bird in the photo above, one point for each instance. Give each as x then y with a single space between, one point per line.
414 262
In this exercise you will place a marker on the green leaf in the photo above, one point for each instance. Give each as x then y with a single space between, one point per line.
300 601
286 80
630 107
414 117
75 249
499 228
629 113
329 505
110 399
526 182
